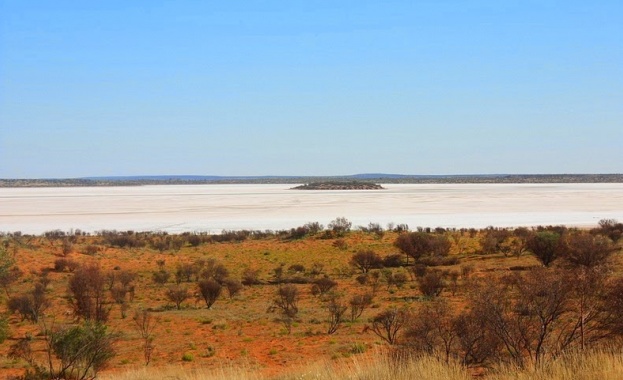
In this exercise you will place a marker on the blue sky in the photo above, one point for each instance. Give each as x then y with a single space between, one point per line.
97 88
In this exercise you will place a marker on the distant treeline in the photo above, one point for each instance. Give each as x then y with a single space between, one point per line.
380 178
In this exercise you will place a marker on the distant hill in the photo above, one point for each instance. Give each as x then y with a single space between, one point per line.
379 175
375 177
206 178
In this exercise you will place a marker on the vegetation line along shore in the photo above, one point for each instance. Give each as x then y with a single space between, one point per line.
365 302
365 178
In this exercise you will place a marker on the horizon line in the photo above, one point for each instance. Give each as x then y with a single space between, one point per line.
271 176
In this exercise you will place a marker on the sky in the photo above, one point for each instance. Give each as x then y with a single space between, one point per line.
117 87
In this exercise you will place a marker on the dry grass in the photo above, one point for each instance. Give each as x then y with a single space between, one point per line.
182 373
599 365
376 366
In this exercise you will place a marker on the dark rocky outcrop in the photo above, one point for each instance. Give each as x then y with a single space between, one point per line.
353 185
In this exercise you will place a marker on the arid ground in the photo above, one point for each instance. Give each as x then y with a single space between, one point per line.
247 329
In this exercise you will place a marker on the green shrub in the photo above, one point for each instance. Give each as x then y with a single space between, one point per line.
86 348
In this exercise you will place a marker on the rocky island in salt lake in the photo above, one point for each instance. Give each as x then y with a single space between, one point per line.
352 185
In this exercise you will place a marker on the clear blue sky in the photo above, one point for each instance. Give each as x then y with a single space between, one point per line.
117 87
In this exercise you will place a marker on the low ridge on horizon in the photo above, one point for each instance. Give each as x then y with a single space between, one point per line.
275 179
359 176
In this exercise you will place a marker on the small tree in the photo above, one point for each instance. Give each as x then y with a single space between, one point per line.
177 294
533 325
340 226
492 240
145 324
210 290
323 285
67 247
475 342
440 246
546 246
589 289
119 294
184 272
82 351
336 310
366 260
286 301
31 305
387 324
122 291
413 244
9 273
422 245
233 287
542 303
313 227
87 293
432 284
358 303
433 329
397 279
586 250
215 270
611 228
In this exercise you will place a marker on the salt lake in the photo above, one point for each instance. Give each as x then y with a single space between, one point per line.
213 208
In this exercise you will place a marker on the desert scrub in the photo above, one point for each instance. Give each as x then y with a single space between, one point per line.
219 326
209 352
358 348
